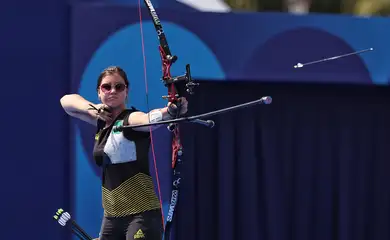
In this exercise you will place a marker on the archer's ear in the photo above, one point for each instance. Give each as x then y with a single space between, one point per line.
98 93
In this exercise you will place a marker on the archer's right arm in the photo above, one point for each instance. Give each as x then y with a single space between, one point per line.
78 107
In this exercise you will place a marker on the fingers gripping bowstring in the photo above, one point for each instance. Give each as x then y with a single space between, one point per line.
148 110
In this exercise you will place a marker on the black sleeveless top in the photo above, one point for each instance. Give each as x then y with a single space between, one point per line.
127 186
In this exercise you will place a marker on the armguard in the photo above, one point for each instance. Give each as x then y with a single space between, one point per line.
155 116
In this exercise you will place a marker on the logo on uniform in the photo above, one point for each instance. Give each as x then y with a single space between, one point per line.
118 123
139 234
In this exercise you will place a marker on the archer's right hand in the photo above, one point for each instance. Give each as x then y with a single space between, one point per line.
102 112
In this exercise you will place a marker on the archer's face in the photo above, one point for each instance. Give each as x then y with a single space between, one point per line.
113 91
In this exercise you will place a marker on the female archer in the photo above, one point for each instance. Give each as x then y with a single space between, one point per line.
131 207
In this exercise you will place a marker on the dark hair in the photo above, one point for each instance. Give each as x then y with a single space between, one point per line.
110 71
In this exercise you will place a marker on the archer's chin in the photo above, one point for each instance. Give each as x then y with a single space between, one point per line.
114 103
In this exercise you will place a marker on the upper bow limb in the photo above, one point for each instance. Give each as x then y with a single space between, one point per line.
157 115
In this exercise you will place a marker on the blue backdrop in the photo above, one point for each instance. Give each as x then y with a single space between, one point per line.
35 145
47 52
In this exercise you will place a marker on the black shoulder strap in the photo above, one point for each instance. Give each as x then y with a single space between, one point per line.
100 125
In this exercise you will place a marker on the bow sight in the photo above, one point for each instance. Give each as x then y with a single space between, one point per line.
182 83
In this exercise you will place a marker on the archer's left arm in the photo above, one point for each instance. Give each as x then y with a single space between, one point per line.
157 115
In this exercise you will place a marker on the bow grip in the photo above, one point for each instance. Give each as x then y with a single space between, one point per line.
174 111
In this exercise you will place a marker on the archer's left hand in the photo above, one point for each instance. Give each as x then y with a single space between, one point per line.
172 108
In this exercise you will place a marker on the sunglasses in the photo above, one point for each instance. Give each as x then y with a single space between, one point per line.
120 87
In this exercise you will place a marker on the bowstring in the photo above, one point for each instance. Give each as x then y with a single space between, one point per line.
148 109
